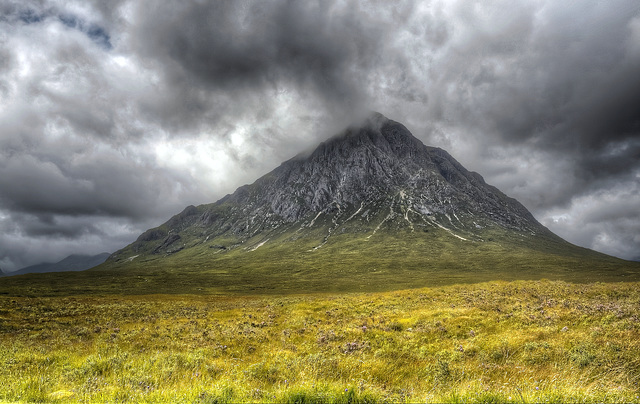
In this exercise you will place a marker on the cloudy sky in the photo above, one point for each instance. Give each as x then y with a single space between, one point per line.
116 115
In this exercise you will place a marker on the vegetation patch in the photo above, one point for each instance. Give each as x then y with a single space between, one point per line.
521 341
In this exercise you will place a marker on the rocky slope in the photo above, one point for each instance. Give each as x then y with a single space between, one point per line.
373 179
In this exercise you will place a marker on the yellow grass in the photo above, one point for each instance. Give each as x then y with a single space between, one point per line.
521 341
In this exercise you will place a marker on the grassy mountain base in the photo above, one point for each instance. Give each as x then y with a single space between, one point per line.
522 341
348 262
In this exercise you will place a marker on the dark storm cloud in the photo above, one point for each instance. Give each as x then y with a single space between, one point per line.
221 59
239 45
49 225
115 115
95 186
606 220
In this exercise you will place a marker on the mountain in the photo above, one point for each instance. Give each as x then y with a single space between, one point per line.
371 199
70 263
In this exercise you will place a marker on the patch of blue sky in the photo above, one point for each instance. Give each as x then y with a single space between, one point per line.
95 32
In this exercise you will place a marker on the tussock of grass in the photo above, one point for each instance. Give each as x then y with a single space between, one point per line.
522 341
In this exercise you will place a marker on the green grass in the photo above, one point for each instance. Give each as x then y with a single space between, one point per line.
349 262
519 341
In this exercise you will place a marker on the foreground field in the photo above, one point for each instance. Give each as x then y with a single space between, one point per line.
521 341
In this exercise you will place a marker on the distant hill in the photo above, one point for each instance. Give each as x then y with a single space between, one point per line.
71 263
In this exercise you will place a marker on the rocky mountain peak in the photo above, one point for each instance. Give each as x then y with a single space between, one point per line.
371 178
376 131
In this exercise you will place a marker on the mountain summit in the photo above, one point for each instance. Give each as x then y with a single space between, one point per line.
373 196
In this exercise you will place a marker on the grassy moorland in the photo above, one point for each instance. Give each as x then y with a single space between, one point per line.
414 317
519 341
349 262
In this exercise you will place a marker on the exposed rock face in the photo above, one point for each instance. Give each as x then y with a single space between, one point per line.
172 238
152 234
375 174
379 162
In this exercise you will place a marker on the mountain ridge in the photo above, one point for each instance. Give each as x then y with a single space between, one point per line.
71 263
